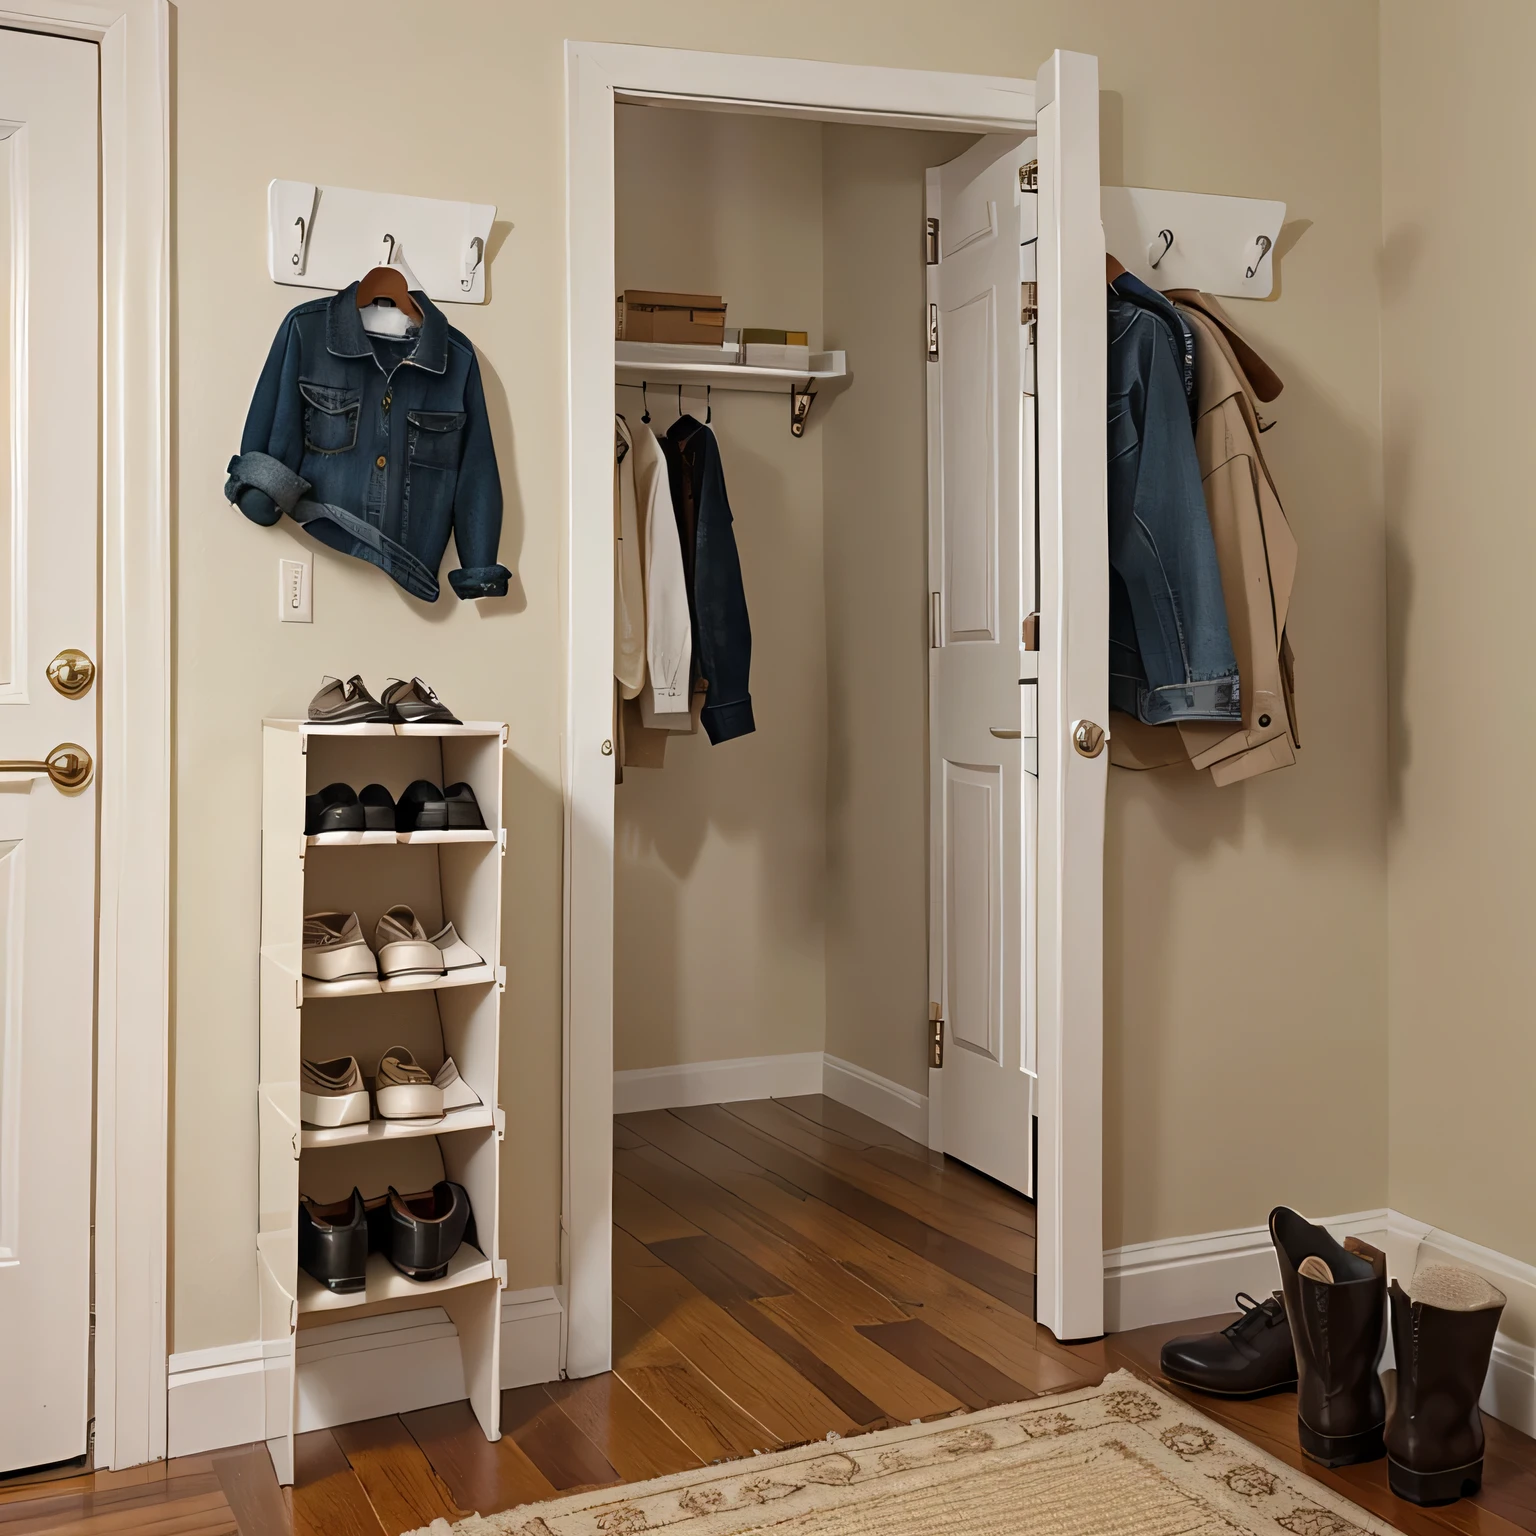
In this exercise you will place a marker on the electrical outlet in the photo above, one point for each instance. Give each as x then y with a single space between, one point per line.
295 592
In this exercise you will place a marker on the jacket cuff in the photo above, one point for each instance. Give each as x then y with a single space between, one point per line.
480 581
278 489
725 722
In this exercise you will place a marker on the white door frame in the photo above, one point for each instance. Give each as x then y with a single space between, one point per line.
598 75
134 677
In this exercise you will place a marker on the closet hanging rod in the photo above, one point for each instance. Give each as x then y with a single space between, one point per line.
828 369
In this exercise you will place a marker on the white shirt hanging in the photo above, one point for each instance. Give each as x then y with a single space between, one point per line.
664 701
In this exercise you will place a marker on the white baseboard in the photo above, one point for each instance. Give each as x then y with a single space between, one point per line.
354 1370
900 1108
717 1082
1182 1277
773 1077
1174 1278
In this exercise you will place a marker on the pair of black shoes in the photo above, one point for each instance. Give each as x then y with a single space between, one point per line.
422 808
402 703
1326 1338
419 1234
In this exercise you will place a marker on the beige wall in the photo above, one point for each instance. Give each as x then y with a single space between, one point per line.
1247 930
1459 333
718 932
874 438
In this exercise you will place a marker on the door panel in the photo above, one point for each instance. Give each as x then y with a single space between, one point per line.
973 922
981 563
49 286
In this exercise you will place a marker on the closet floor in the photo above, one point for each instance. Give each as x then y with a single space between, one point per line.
782 1268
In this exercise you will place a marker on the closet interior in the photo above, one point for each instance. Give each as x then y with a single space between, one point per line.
771 890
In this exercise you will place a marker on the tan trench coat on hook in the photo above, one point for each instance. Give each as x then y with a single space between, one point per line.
1256 552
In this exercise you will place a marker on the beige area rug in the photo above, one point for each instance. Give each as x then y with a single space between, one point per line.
1119 1459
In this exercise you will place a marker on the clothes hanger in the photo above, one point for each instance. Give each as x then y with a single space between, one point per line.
387 281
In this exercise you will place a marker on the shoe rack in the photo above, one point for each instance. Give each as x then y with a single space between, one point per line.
453 876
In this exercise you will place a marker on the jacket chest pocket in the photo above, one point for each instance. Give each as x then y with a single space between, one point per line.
330 417
436 438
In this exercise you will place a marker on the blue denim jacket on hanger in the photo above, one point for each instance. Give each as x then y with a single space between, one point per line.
1170 651
376 445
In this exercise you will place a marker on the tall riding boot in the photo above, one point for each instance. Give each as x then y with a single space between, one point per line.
1442 1335
1336 1300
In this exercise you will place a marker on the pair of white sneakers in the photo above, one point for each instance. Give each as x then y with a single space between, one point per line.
333 1093
336 951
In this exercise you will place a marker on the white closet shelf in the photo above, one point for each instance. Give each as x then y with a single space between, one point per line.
386 1283
388 839
476 1117
825 367
367 986
315 728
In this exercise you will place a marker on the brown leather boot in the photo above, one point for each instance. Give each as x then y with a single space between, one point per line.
1442 1335
1336 1301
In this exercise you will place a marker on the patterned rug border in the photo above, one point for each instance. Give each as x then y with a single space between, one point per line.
1349 1519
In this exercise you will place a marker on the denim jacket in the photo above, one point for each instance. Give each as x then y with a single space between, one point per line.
377 445
1170 649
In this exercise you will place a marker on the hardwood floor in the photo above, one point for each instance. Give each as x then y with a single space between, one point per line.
782 1269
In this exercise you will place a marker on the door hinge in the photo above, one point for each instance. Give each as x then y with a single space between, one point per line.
1029 307
933 333
935 612
932 228
935 1035
1029 176
1031 635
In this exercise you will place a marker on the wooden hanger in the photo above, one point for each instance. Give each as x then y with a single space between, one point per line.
388 282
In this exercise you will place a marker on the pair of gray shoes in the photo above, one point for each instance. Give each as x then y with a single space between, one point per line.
403 703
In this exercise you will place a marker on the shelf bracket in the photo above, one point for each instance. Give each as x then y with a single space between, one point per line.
800 401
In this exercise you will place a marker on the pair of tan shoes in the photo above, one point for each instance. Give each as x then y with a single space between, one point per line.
333 1093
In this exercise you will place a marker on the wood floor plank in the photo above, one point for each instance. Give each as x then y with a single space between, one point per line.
552 1442
206 1514
771 1245
397 1477
902 1393
1007 1282
968 1316
645 1217
633 1439
749 1371
623 1136
853 1125
261 1506
715 1268
134 1501
968 1377
710 1424
328 1499
951 1209
482 1476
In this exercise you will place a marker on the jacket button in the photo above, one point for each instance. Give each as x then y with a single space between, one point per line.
1264 720
381 461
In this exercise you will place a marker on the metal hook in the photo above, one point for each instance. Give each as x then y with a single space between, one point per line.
679 399
473 257
645 405
389 254
708 409
1166 236
298 255
1265 245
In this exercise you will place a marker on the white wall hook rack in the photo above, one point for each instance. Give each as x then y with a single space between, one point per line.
327 237
1220 245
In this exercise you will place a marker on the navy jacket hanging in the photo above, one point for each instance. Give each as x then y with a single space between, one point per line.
722 636
377 445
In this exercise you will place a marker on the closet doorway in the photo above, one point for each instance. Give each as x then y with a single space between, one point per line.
791 904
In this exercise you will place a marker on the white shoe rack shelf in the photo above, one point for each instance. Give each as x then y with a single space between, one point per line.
442 876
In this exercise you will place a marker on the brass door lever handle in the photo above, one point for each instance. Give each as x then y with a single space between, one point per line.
69 766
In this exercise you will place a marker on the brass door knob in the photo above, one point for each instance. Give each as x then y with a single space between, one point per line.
72 672
1089 738
69 766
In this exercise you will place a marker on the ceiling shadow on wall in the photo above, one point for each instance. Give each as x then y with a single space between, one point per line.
1111 139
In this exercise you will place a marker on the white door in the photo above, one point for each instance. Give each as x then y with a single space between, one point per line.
981 558
1017 526
49 286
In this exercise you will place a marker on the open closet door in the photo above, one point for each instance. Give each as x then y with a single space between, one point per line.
1074 698
981 560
